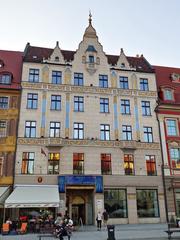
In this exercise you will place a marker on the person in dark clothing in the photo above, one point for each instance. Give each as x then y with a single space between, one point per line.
105 217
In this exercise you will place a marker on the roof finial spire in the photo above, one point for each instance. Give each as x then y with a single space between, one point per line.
90 17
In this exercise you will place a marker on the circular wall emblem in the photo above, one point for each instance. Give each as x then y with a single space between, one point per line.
39 179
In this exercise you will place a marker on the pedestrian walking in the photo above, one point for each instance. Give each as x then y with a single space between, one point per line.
99 221
105 218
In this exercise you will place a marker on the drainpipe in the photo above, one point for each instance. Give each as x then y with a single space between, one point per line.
163 174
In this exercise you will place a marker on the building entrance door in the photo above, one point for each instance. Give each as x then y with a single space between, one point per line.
80 206
78 214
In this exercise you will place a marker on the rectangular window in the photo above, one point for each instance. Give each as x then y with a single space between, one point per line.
168 95
5 79
106 164
91 59
127 132
144 84
1 166
115 203
146 110
3 102
148 135
151 165
147 203
33 75
105 132
27 163
128 164
123 82
171 127
78 79
125 106
56 77
175 157
78 104
104 105
103 81
3 128
54 129
53 163
78 130
30 129
32 101
78 163
56 102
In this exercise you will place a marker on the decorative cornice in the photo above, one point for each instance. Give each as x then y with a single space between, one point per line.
9 113
89 89
61 142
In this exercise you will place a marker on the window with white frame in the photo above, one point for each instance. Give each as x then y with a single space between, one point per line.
104 105
171 125
30 129
123 82
78 130
56 77
78 104
27 163
56 102
146 109
148 134
144 84
54 129
175 157
125 106
3 102
78 79
33 75
103 81
127 132
105 132
32 100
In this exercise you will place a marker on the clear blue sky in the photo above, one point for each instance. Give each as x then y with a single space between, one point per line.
148 27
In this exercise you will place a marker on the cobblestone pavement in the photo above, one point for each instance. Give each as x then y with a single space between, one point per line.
122 232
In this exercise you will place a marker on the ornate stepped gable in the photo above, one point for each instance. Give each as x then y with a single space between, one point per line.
88 46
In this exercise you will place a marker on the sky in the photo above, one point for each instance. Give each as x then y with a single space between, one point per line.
148 27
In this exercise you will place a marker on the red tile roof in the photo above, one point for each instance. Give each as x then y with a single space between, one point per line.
163 78
36 54
13 64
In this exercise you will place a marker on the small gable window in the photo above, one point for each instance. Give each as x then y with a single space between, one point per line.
5 78
56 59
122 65
91 59
168 95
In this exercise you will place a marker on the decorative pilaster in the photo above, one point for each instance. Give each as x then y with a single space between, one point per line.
136 118
43 114
113 79
67 115
67 76
115 118
45 74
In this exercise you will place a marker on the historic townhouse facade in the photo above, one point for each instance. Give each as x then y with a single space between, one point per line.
89 134
10 77
168 111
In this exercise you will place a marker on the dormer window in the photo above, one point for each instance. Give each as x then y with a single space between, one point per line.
56 59
91 59
168 95
5 78
122 65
